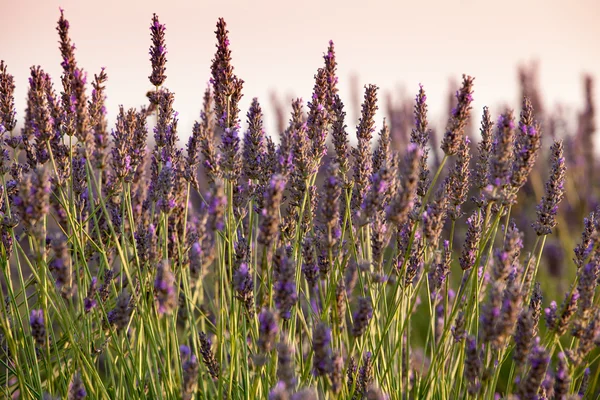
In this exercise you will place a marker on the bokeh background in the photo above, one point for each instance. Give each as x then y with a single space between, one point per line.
278 46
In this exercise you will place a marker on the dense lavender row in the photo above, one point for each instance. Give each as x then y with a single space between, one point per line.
302 267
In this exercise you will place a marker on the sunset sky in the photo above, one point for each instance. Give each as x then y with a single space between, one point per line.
278 45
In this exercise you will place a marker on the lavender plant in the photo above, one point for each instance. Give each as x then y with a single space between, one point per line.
309 266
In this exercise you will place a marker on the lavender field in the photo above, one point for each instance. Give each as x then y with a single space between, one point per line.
401 260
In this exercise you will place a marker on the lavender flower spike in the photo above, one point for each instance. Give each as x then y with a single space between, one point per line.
322 360
38 327
555 191
269 223
459 118
7 100
76 388
254 143
158 52
164 285
362 152
471 246
268 330
362 317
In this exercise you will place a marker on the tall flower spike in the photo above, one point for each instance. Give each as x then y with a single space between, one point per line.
285 364
226 86
164 286
268 330
527 144
76 388
539 360
469 252
458 180
38 327
158 52
7 100
208 357
332 79
340 137
555 191
269 224
484 148
502 158
67 48
204 131
284 288
362 152
420 133
362 317
459 117
322 359
254 143
402 203
98 122
190 369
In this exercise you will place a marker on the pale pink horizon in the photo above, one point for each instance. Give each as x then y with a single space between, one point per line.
278 46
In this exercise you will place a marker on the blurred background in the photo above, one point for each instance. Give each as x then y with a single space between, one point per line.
278 46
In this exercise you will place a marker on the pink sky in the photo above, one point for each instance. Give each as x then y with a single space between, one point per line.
279 45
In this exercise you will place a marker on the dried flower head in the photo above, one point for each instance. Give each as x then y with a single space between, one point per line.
459 117
158 52
555 191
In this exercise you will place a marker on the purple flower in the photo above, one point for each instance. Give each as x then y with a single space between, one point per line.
164 286
38 326
158 52
285 294
555 191
362 317
76 388
268 330
459 118
321 344
471 245
362 152
7 100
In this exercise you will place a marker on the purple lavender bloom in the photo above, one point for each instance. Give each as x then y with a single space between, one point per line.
340 137
227 87
208 357
190 369
38 326
362 317
165 187
97 110
362 153
458 182
158 52
66 46
562 378
269 224
76 388
32 203
527 144
322 359
473 366
502 158
164 286
123 137
402 203
89 303
285 364
7 100
484 147
555 191
539 360
420 134
254 143
471 245
318 117
244 286
279 392
60 266
459 118
121 313
524 334
268 330
284 288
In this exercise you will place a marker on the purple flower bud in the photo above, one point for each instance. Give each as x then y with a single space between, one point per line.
164 286
38 327
362 317
322 361
158 52
555 191
459 118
